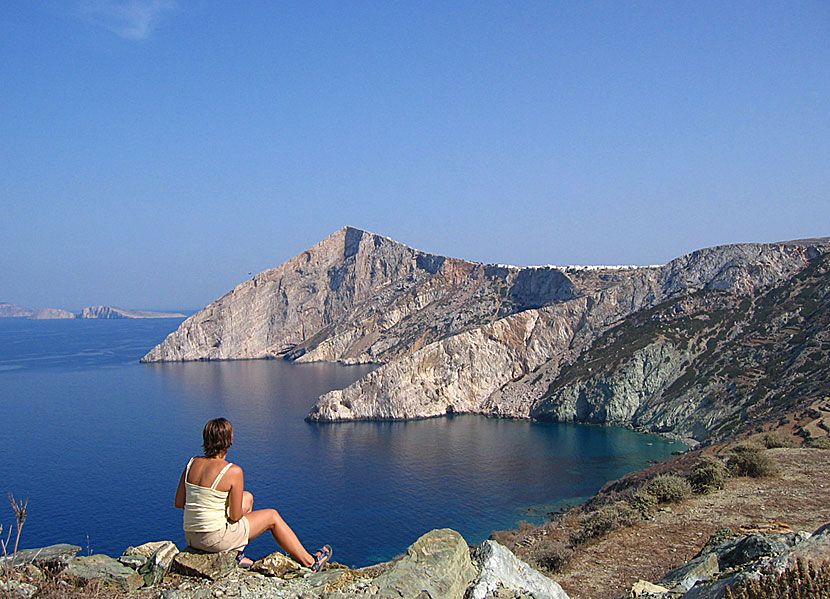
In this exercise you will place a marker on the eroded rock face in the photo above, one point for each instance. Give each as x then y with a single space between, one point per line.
455 336
508 367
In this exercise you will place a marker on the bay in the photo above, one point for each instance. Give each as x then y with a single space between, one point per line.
97 442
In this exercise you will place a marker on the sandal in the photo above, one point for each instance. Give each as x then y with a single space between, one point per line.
321 557
244 562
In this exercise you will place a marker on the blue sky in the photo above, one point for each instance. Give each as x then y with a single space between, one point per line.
156 152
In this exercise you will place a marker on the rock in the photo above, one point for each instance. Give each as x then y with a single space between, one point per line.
748 549
438 563
192 562
459 337
277 564
105 569
51 314
151 560
687 575
643 588
499 568
133 561
110 312
53 557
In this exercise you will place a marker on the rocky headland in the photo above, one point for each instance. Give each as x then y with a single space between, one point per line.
687 349
106 312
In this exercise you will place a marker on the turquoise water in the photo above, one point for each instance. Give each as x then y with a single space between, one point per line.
98 441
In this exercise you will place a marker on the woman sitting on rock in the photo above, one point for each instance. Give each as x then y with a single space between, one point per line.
218 512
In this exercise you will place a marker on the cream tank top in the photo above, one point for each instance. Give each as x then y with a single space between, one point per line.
205 507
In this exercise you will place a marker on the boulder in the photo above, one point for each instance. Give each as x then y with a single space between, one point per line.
192 562
151 560
500 569
644 589
437 564
683 578
277 564
53 557
105 569
749 549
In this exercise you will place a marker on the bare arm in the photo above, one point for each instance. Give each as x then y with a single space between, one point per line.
180 494
237 480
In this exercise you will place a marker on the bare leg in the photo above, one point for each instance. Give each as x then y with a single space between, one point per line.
262 520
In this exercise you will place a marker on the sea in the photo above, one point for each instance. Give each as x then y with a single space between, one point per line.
96 442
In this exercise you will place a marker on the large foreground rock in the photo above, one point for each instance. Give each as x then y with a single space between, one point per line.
437 565
192 562
105 569
500 569
53 557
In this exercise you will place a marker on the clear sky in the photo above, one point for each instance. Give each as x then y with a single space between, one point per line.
155 152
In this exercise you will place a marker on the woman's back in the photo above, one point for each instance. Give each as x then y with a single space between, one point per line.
203 473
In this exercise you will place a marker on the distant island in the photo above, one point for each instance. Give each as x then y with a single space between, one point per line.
109 312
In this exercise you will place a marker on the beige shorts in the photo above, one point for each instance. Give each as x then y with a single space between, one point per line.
233 536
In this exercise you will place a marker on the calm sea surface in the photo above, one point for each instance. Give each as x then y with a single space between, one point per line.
98 441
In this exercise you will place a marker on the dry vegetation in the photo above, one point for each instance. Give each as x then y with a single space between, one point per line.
655 520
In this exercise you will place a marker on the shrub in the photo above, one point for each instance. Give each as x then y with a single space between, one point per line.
819 443
709 474
747 447
775 439
549 556
603 520
669 488
804 580
644 503
750 462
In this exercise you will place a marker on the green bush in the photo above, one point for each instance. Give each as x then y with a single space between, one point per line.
750 462
644 503
819 443
709 474
549 556
603 520
775 439
669 488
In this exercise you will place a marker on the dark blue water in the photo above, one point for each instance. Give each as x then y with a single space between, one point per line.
98 441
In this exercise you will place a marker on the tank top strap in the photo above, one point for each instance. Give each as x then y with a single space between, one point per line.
220 475
187 470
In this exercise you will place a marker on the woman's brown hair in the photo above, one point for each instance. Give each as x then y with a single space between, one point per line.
217 437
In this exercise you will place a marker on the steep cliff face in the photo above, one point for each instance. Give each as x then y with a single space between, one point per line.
455 336
489 371
357 297
708 365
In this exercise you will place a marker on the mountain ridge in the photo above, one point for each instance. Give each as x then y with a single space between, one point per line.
453 336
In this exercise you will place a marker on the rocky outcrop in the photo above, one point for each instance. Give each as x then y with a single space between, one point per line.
357 297
438 564
765 561
455 336
508 367
52 314
705 365
107 312
14 311
110 312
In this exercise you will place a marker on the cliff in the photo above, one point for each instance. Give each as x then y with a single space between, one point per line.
456 336
111 312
